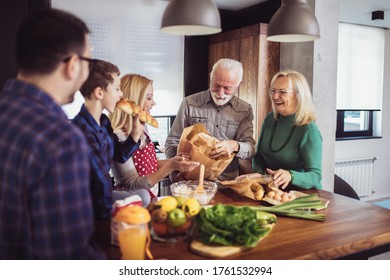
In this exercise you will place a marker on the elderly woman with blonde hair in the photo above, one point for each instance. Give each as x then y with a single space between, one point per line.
141 173
290 144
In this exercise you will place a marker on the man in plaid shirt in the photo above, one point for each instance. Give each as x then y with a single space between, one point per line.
45 201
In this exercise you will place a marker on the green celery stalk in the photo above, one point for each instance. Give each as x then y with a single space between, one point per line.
302 207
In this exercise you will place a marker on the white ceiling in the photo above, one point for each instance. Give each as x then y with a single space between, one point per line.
352 11
359 11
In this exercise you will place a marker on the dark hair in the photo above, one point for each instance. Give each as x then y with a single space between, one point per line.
100 75
46 37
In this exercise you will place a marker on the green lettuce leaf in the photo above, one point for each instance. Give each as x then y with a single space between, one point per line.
232 225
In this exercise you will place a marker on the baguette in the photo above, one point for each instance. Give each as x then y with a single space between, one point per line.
131 108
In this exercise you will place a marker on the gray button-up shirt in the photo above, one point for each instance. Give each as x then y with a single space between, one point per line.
233 121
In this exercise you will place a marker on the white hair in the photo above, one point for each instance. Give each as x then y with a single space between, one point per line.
228 64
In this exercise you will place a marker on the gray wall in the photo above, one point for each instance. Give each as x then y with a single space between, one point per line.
318 62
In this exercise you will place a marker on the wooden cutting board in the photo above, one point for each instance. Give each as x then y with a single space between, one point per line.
219 251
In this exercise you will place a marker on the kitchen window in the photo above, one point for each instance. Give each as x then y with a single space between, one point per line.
359 81
354 124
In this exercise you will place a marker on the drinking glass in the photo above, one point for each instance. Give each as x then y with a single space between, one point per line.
132 240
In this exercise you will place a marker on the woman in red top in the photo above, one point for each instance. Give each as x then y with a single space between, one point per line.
141 173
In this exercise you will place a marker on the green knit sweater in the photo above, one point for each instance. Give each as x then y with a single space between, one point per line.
301 154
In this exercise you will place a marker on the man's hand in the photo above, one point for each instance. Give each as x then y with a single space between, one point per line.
224 148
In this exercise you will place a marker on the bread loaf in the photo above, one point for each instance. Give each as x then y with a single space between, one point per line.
258 190
131 108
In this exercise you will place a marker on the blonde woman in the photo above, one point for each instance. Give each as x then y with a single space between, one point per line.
290 144
141 173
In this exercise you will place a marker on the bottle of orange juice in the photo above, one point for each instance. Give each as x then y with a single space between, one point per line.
133 232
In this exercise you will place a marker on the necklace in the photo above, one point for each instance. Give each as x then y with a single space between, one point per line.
285 143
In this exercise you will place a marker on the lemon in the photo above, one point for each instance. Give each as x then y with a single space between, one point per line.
167 203
180 201
191 206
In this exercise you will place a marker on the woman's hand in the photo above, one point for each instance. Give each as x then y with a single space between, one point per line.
281 177
250 175
182 163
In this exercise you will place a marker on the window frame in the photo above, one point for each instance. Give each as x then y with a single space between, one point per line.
341 134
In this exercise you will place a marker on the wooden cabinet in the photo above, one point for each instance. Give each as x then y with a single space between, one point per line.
260 60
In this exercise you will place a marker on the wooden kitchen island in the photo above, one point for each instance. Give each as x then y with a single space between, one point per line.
352 230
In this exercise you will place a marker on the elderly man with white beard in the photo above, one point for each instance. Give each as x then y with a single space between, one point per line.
227 117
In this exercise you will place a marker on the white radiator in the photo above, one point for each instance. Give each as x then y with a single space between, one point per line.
359 173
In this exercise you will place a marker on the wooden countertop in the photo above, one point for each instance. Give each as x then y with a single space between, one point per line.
353 230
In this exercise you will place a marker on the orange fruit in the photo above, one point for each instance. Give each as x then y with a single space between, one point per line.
133 214
184 227
160 228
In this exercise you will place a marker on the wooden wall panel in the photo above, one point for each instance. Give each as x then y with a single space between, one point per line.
225 49
260 60
248 90
268 67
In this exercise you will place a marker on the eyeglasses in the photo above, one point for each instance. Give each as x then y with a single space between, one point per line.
281 92
86 58
80 57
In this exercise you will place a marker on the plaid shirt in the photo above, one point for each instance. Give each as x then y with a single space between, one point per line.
45 202
104 146
232 121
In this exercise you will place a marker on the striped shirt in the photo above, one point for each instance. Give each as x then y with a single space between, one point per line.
45 201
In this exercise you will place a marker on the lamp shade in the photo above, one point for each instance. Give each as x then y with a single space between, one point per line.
191 17
294 21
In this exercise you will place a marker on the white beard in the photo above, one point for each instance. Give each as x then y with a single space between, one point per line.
220 102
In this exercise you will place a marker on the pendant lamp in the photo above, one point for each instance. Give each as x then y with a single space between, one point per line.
294 21
191 17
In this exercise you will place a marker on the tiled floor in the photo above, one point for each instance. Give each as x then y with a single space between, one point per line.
383 203
384 256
